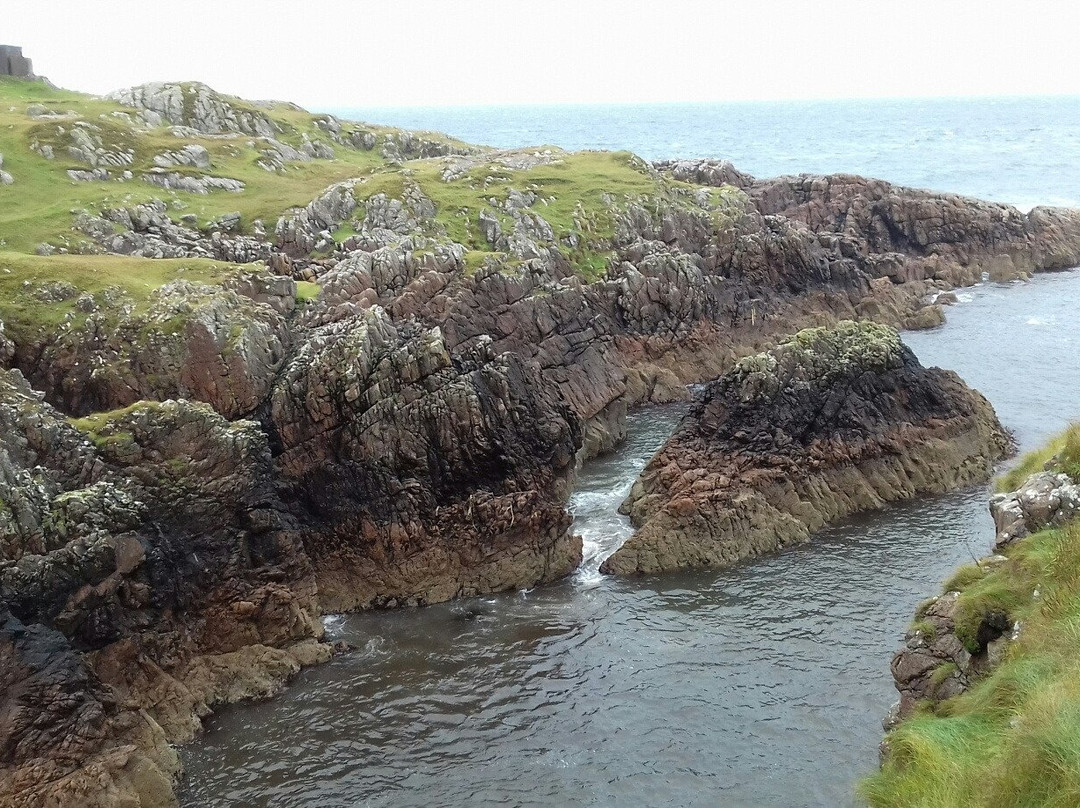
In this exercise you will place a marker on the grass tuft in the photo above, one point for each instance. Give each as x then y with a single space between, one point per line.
1013 740
1060 454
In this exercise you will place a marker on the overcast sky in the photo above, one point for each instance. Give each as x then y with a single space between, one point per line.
445 52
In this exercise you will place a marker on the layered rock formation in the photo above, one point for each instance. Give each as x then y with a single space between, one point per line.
831 422
387 408
422 475
148 571
914 234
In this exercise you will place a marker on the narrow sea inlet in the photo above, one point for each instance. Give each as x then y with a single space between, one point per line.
759 685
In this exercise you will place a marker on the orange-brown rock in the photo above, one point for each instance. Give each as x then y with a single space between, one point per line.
831 422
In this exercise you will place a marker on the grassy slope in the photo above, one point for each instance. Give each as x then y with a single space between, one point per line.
38 206
1014 739
576 191
23 311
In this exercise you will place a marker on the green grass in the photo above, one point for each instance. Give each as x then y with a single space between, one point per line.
22 276
38 207
1014 739
1062 454
306 291
101 427
580 195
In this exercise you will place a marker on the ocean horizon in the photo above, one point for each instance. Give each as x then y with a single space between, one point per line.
1024 150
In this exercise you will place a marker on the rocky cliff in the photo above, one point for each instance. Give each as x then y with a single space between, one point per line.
831 422
258 363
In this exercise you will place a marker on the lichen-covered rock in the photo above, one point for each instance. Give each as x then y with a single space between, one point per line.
195 340
831 422
299 231
1045 499
197 107
146 230
145 562
422 475
174 181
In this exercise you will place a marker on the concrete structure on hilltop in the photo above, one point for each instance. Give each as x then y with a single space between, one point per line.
13 63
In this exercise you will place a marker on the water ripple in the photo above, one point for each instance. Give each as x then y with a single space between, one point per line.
759 685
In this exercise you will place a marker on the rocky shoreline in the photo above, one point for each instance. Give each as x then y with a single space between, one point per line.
831 422
987 674
388 405
950 647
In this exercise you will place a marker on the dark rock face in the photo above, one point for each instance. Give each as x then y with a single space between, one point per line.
421 475
829 423
142 570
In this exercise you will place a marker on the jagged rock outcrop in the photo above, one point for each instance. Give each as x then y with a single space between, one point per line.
937 664
1047 498
7 348
147 231
173 181
946 651
922 234
196 106
829 423
221 344
147 572
421 475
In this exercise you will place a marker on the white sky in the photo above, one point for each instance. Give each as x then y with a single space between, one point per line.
436 52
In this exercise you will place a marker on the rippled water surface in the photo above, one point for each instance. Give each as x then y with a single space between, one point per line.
1025 151
762 685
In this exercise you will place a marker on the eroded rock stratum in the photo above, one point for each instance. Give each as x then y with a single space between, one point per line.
831 422
257 364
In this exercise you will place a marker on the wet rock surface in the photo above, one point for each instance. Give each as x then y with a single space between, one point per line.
387 408
831 422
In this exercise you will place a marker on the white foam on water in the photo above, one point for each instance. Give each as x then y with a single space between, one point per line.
333 624
605 484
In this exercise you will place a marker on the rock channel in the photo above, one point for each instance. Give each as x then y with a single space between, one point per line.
188 480
831 422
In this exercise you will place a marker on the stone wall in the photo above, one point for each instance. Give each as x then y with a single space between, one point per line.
13 63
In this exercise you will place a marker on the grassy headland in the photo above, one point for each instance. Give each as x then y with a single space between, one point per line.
42 128
1013 739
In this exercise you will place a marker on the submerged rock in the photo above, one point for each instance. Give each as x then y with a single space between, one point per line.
831 422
